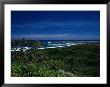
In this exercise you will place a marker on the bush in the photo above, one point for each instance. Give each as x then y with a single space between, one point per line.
80 60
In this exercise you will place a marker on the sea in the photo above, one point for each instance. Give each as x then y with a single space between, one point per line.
65 43
58 44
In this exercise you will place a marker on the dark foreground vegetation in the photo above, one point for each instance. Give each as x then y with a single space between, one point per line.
79 60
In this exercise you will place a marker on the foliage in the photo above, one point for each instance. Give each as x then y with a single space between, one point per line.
79 60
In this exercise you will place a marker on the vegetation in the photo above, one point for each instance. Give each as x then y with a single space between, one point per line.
78 60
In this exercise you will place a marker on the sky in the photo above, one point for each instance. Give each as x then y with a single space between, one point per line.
55 25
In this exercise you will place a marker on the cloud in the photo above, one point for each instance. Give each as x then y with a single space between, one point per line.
46 35
40 36
61 25
81 36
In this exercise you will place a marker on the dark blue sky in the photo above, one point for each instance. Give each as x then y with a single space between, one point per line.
56 25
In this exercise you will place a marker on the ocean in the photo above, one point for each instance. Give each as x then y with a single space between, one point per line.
65 43
45 44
